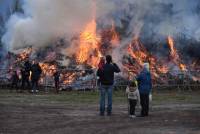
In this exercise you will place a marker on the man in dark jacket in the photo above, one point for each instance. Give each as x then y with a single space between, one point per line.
25 78
56 80
144 86
35 77
27 66
25 73
106 75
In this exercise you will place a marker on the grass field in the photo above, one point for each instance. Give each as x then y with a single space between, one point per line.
92 97
76 112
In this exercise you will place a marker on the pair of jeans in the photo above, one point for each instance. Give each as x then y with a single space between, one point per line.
57 86
144 101
132 104
34 85
106 90
25 81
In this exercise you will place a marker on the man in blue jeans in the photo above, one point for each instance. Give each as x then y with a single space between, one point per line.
106 78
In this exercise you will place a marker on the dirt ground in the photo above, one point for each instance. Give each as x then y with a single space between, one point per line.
38 116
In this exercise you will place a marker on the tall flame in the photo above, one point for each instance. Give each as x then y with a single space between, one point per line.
115 37
174 54
89 49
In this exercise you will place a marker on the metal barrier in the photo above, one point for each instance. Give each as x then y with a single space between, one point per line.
176 79
78 79
75 79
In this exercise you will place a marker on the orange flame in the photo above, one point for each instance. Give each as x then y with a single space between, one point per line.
48 69
137 52
88 51
174 54
182 67
25 54
68 78
115 37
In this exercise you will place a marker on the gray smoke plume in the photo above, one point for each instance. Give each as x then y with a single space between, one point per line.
154 20
44 21
151 20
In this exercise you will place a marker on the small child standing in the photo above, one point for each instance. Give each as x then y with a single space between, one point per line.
133 97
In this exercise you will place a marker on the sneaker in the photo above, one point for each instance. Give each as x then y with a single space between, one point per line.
32 91
133 116
37 91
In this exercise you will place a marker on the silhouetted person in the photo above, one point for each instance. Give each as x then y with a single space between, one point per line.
106 75
27 66
35 76
25 79
57 80
15 80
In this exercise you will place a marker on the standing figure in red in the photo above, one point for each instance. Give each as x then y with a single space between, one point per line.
100 67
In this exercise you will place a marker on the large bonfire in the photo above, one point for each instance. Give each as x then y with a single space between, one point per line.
95 42
92 46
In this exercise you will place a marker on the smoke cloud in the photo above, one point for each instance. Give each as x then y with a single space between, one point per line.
44 21
151 20
154 20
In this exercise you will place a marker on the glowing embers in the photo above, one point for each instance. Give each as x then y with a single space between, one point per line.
48 69
24 54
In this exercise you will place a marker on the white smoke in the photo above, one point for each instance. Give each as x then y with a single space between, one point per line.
46 20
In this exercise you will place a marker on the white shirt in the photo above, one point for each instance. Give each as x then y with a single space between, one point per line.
133 95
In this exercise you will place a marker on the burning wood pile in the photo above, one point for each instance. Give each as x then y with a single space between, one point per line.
90 47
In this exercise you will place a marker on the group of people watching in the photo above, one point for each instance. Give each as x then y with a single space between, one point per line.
138 89
30 76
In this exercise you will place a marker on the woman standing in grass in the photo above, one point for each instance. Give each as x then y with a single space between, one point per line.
144 86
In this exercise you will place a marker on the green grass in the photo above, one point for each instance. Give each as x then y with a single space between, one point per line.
92 97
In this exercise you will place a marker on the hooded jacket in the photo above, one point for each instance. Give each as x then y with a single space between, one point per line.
144 82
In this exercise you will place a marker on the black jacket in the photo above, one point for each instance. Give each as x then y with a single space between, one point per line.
25 74
56 76
27 66
106 74
36 72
